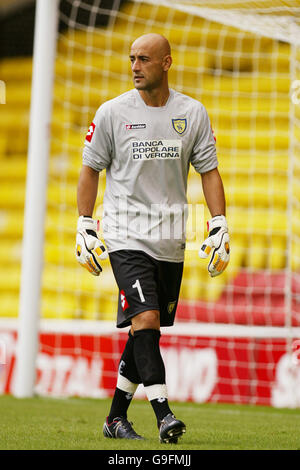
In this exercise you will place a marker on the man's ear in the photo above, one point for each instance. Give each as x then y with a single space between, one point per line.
167 62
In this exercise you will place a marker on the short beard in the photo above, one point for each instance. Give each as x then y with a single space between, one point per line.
147 86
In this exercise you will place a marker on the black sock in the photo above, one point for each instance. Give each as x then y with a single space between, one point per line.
151 368
127 366
127 369
120 404
161 408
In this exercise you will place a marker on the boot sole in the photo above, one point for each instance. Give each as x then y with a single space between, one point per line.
173 435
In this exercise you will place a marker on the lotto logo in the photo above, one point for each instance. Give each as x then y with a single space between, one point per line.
135 126
213 133
90 132
124 302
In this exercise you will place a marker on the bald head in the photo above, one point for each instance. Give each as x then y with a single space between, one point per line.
150 57
157 43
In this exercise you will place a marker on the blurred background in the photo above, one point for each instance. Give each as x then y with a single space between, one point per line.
242 61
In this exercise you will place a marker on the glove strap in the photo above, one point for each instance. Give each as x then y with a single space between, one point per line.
87 223
219 221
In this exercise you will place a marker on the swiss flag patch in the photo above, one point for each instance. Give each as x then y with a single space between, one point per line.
124 302
90 132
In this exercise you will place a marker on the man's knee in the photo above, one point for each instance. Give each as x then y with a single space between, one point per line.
148 358
150 319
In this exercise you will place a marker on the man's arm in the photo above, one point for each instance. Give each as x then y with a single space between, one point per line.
89 249
87 190
213 191
217 242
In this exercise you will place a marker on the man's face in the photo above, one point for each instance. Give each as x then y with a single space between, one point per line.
147 66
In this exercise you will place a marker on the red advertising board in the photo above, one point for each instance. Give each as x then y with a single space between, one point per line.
199 369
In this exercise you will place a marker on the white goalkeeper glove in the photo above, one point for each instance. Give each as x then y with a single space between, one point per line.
218 241
89 249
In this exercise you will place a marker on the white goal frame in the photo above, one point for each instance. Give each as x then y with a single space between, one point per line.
28 323
36 188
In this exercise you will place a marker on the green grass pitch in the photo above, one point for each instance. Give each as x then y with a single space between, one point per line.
76 424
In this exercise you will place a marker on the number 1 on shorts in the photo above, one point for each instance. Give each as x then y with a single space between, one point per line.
137 286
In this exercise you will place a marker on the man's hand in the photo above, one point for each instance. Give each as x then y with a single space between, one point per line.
89 249
218 241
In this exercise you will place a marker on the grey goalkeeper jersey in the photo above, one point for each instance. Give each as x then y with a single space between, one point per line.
147 152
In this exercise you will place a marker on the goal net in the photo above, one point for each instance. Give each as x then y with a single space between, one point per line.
235 337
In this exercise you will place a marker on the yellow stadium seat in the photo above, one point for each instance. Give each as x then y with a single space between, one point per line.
58 254
17 97
97 64
109 308
249 112
62 195
102 308
14 169
257 253
245 162
159 14
12 196
9 279
245 83
59 305
259 140
215 286
11 224
295 253
13 122
257 221
221 103
3 145
256 190
17 69
279 63
9 304
277 253
10 252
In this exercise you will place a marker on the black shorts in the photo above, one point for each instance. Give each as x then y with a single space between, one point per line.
145 284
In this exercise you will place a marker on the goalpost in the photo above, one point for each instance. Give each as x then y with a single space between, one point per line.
236 336
37 173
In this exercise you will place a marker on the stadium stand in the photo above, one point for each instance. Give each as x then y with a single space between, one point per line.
256 190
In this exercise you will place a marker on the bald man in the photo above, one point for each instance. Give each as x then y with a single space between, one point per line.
150 58
146 139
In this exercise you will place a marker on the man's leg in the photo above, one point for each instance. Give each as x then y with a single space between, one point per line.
127 382
116 425
151 369
137 277
149 362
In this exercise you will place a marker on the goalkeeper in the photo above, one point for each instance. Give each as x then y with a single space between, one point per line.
146 140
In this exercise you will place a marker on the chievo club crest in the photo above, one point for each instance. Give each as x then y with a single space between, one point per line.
179 125
171 306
